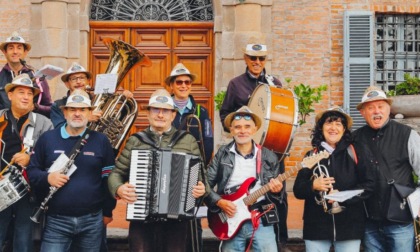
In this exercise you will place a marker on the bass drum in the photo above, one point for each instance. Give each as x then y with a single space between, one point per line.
278 110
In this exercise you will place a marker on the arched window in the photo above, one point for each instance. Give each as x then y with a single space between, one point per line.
152 10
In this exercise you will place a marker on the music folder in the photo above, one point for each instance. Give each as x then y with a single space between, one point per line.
49 72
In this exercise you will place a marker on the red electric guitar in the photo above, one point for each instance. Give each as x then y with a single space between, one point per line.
224 227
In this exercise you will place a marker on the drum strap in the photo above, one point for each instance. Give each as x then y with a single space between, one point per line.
259 160
28 141
270 79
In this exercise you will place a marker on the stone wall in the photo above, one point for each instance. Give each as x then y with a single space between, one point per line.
413 122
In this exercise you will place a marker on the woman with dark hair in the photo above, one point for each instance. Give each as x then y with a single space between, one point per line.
328 223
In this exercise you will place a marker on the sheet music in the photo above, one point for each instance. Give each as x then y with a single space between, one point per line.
59 164
106 83
49 72
414 202
343 195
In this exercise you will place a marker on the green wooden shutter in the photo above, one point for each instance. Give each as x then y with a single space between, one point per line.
358 60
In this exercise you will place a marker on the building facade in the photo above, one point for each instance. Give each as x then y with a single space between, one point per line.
311 42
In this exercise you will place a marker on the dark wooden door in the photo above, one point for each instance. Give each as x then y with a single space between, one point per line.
165 43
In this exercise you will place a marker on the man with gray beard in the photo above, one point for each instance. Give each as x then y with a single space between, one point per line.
82 205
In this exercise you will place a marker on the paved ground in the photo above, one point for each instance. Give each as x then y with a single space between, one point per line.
117 230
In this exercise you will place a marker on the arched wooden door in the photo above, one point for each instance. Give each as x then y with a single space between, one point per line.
168 31
166 44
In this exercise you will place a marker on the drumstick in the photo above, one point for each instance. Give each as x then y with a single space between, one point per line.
7 167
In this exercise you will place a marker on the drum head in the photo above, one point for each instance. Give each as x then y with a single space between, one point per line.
278 111
260 103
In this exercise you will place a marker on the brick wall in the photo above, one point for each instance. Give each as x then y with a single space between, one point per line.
308 47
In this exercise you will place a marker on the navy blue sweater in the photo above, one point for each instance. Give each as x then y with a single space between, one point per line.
86 191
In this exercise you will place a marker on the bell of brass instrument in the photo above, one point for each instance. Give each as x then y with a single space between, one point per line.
322 171
119 112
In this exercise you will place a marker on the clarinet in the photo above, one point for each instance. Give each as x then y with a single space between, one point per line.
36 217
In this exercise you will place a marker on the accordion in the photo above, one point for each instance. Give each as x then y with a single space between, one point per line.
163 182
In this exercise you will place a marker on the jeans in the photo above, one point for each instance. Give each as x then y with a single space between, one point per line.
388 236
264 239
339 246
22 233
82 233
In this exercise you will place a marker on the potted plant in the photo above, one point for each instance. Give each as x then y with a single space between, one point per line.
405 96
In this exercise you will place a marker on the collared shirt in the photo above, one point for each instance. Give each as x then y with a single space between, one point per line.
65 134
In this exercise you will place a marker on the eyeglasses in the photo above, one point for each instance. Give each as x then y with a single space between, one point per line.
180 82
239 117
75 79
157 111
254 58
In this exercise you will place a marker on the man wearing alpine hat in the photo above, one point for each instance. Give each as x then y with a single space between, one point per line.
238 93
82 205
15 49
394 149
169 235
230 169
19 131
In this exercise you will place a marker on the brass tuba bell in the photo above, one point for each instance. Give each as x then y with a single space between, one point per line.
119 112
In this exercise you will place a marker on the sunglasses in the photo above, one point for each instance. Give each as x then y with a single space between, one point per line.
239 117
254 58
180 82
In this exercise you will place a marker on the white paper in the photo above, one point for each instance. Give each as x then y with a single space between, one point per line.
202 212
106 83
59 164
49 72
414 202
343 195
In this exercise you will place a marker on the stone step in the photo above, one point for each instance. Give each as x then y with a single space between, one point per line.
118 242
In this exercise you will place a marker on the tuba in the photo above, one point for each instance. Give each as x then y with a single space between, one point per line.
119 112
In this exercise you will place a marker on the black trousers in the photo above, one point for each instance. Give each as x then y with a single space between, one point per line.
158 236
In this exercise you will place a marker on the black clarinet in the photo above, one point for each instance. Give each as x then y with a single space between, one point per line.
36 217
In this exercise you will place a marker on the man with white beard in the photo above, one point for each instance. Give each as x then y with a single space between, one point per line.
76 212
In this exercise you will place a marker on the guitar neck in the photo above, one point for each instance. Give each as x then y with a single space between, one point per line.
252 198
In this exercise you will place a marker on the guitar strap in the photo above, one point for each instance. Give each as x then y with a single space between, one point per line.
259 160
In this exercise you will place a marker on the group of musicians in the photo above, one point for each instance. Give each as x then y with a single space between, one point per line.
74 169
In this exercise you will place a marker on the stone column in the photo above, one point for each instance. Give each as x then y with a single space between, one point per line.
234 24
57 29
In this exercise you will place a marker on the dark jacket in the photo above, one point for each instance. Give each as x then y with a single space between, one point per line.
387 149
239 91
221 168
206 127
349 224
42 101
57 116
